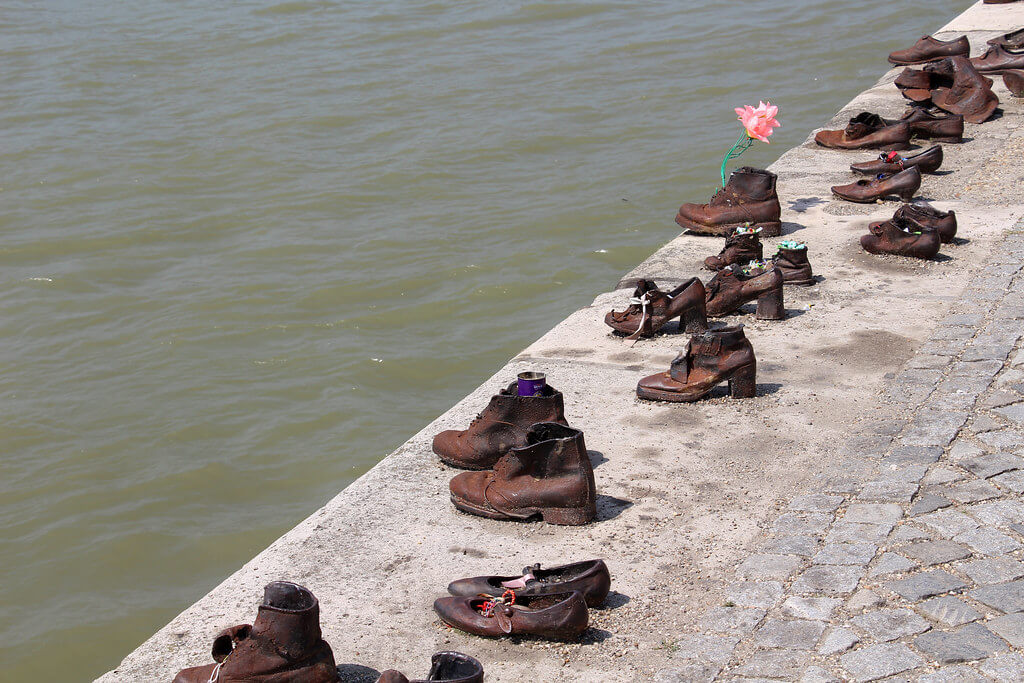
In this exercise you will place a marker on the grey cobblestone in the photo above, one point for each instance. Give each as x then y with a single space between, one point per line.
816 502
989 465
827 580
1010 481
1007 597
928 502
878 661
960 673
804 546
889 563
1004 668
734 620
948 523
1010 627
986 541
972 491
995 570
948 611
935 552
890 624
838 640
846 553
797 634
763 594
926 584
772 663
768 566
964 644
815 609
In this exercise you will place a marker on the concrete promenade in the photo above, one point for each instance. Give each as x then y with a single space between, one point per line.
860 519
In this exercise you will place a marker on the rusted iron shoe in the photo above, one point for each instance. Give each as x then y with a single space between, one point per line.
927 161
925 217
734 286
791 260
898 237
650 308
502 425
282 645
867 131
998 59
742 246
551 476
1014 82
903 184
590 578
562 616
932 124
446 667
970 95
929 49
714 357
748 197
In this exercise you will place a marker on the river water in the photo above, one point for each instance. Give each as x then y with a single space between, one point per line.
250 248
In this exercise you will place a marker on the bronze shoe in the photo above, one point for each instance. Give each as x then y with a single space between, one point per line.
591 579
998 59
927 161
903 184
502 425
562 616
283 644
791 260
898 237
709 359
1014 40
749 197
1013 79
933 124
445 667
929 49
970 95
925 217
734 286
650 308
866 131
550 476
742 246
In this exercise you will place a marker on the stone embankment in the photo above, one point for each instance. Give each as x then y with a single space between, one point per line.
859 519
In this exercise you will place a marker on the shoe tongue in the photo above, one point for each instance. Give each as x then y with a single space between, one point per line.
644 286
862 124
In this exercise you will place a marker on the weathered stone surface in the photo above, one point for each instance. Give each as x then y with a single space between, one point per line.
864 599
846 553
801 523
964 644
804 546
873 513
698 647
816 502
962 449
993 570
759 594
816 674
838 640
734 620
1003 438
948 611
1004 668
947 523
928 502
1014 411
926 584
827 580
933 428
878 661
772 663
843 532
972 491
1007 597
941 475
815 609
689 673
999 512
890 563
768 566
986 541
935 552
960 673
989 465
890 624
914 455
1010 627
907 533
789 635
888 490
1010 481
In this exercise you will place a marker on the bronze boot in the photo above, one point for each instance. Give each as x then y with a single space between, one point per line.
900 238
791 261
928 218
903 184
650 308
445 667
550 476
970 95
867 131
929 49
709 359
927 161
590 578
743 246
749 197
734 286
283 645
556 615
500 426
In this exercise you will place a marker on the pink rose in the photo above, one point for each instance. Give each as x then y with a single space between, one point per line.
759 122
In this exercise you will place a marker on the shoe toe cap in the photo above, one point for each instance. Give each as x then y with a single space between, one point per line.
470 487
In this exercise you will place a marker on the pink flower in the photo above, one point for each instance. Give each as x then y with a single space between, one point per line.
759 122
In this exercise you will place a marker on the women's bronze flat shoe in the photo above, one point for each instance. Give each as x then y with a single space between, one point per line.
590 578
925 217
866 131
562 616
650 308
998 59
927 161
733 286
722 355
903 184
932 124
742 246
929 49
1014 40
899 238
445 667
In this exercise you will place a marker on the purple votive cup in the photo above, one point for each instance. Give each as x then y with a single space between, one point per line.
532 383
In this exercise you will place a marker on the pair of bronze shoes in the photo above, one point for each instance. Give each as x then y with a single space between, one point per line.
446 667
716 356
954 85
915 230
926 161
871 131
547 603
744 246
903 184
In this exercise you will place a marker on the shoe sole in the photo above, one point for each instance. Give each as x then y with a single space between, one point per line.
768 229
463 466
559 516
801 283
670 396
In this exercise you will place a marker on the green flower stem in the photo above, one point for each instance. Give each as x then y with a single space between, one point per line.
741 146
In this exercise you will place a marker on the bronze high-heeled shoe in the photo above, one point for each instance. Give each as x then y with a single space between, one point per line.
734 286
709 359
650 308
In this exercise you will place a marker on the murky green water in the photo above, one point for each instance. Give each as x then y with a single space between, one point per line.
249 248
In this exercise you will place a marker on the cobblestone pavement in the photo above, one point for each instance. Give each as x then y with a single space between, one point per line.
907 566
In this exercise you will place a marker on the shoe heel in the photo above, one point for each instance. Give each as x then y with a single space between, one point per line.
907 196
694 321
567 516
743 383
770 307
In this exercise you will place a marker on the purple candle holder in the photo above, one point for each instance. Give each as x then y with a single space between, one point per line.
532 383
